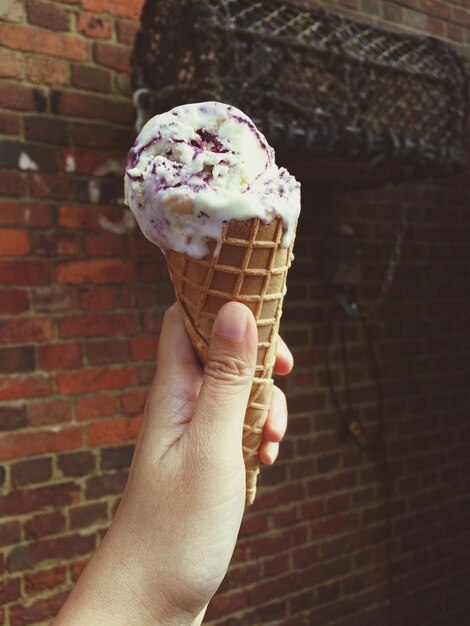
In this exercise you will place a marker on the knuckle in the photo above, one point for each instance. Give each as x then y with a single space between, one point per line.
232 370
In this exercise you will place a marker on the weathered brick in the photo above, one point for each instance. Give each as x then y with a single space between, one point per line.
10 123
49 412
18 387
44 524
95 406
46 129
25 213
96 325
13 301
143 349
91 78
103 244
86 515
38 611
116 430
10 533
12 154
12 416
31 471
130 9
11 64
112 56
53 299
19 330
32 39
95 380
57 244
16 445
14 243
14 96
96 299
95 107
12 183
108 351
105 485
37 582
10 590
30 500
46 71
93 135
52 187
92 25
24 557
47 15
116 458
133 402
76 463
60 356
24 273
20 359
126 31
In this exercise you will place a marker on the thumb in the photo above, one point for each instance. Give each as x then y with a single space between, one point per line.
228 376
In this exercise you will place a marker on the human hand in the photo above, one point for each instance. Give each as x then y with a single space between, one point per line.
173 536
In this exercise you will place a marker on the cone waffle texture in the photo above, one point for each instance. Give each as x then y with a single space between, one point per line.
250 266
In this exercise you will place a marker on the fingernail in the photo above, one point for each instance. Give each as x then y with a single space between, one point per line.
232 321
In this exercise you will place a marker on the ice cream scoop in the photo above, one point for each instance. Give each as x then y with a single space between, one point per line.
198 166
204 187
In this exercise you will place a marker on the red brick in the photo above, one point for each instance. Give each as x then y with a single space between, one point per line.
27 213
95 406
91 78
113 431
37 582
130 9
92 25
51 186
96 299
16 387
77 568
60 356
105 485
143 349
18 359
113 56
29 500
96 380
24 272
32 39
13 301
46 129
97 325
117 458
10 590
16 445
108 351
19 330
38 611
11 64
455 32
10 123
87 515
11 183
31 471
14 96
87 217
47 71
49 412
126 31
436 8
53 299
24 557
44 524
14 243
76 463
57 244
10 533
93 135
12 417
102 244
95 272
47 15
133 402
96 108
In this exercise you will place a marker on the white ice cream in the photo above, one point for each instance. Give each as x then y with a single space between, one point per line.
198 166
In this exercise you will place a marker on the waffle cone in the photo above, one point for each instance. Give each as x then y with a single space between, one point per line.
250 266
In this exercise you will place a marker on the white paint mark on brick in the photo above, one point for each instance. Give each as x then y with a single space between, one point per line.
70 164
26 163
124 226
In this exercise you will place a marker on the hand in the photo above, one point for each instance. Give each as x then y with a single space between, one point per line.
173 536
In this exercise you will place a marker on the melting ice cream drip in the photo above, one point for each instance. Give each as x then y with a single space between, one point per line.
198 166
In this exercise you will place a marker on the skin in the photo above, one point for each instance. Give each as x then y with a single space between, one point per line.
171 541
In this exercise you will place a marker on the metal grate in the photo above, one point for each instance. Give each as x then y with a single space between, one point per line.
311 80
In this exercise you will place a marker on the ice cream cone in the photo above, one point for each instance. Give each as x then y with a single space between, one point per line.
249 266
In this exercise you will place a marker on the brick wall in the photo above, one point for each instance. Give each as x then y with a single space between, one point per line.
336 536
